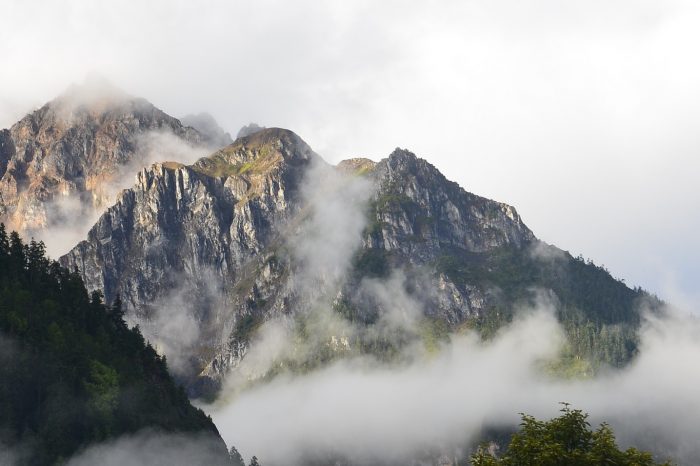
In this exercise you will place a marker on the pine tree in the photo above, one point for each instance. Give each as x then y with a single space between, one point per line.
235 457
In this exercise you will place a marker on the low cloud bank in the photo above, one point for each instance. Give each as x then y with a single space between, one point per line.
150 448
367 412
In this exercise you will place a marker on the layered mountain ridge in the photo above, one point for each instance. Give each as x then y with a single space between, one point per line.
259 232
62 160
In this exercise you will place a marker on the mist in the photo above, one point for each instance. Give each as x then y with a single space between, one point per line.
175 323
321 245
70 217
153 448
429 400
594 102
582 114
368 412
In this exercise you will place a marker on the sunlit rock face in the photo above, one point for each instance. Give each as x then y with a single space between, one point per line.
64 160
264 229
417 202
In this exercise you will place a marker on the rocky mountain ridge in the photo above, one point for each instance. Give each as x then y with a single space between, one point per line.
61 161
221 239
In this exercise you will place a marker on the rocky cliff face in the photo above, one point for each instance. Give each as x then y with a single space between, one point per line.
62 159
256 231
418 213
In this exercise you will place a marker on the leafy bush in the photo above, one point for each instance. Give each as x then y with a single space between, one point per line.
563 441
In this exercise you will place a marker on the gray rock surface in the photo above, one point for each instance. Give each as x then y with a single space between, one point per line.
227 227
67 154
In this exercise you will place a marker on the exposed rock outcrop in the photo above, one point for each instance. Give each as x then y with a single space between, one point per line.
226 229
62 160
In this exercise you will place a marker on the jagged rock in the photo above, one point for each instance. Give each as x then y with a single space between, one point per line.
249 129
230 216
356 166
72 148
419 212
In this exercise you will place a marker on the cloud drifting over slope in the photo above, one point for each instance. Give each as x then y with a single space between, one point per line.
151 448
594 103
70 218
367 412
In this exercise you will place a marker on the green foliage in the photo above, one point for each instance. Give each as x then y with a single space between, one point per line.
102 389
599 314
563 441
583 288
364 170
358 315
391 200
612 344
71 371
371 263
569 366
246 326
433 332
219 166
227 162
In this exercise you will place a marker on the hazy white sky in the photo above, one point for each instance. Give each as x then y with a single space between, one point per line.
583 114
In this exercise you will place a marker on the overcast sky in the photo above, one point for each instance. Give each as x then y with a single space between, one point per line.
584 115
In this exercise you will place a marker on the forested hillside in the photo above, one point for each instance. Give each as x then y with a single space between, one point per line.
71 372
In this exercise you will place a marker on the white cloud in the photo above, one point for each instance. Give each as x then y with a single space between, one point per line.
582 114
372 413
151 448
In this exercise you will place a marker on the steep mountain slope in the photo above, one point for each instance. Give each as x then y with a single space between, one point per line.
189 233
72 374
209 128
361 258
60 161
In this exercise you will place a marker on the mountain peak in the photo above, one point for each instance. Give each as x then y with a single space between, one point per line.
73 147
93 86
95 94
400 153
403 162
356 166
259 152
249 129
208 127
280 137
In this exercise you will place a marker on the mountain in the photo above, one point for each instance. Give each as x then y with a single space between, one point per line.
248 129
193 230
362 258
65 159
72 374
209 128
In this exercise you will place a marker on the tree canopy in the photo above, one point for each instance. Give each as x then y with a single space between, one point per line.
566 440
71 371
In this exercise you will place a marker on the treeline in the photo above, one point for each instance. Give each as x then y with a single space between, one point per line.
72 372
599 313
